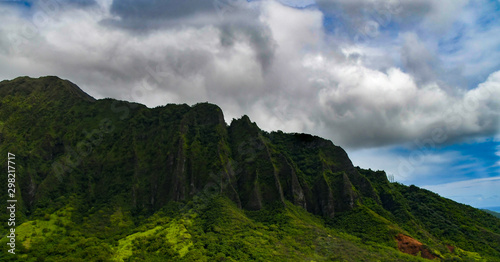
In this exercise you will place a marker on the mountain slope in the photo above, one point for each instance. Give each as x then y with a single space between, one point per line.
119 181
496 214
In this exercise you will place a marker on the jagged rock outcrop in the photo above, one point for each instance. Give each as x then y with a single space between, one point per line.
172 153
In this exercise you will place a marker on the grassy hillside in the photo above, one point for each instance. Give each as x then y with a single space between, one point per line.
220 231
107 180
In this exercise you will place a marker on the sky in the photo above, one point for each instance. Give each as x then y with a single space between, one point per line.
409 87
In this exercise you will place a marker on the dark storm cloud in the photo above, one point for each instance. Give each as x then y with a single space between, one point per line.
145 11
234 18
82 2
418 60
258 35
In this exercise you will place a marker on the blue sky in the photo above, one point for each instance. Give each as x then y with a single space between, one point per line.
410 87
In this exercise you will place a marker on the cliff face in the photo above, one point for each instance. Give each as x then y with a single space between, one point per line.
171 152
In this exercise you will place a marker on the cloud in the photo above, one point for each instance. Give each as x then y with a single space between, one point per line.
298 3
430 14
468 48
370 107
82 3
144 11
290 74
452 37
235 19
418 59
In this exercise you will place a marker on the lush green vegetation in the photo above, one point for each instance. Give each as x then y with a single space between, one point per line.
114 181
221 232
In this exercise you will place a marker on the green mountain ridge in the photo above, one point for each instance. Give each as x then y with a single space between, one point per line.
108 180
496 214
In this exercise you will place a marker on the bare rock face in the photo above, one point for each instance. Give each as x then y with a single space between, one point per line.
413 247
306 170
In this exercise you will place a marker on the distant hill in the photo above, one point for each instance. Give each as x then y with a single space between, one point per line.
108 180
494 209
492 212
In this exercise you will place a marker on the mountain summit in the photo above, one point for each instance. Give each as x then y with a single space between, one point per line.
112 180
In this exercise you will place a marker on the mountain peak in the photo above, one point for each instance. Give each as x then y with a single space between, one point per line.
50 87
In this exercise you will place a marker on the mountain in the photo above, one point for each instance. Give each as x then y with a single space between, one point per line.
494 209
108 180
496 214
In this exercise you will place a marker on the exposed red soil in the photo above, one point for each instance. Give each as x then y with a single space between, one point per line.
451 248
412 246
